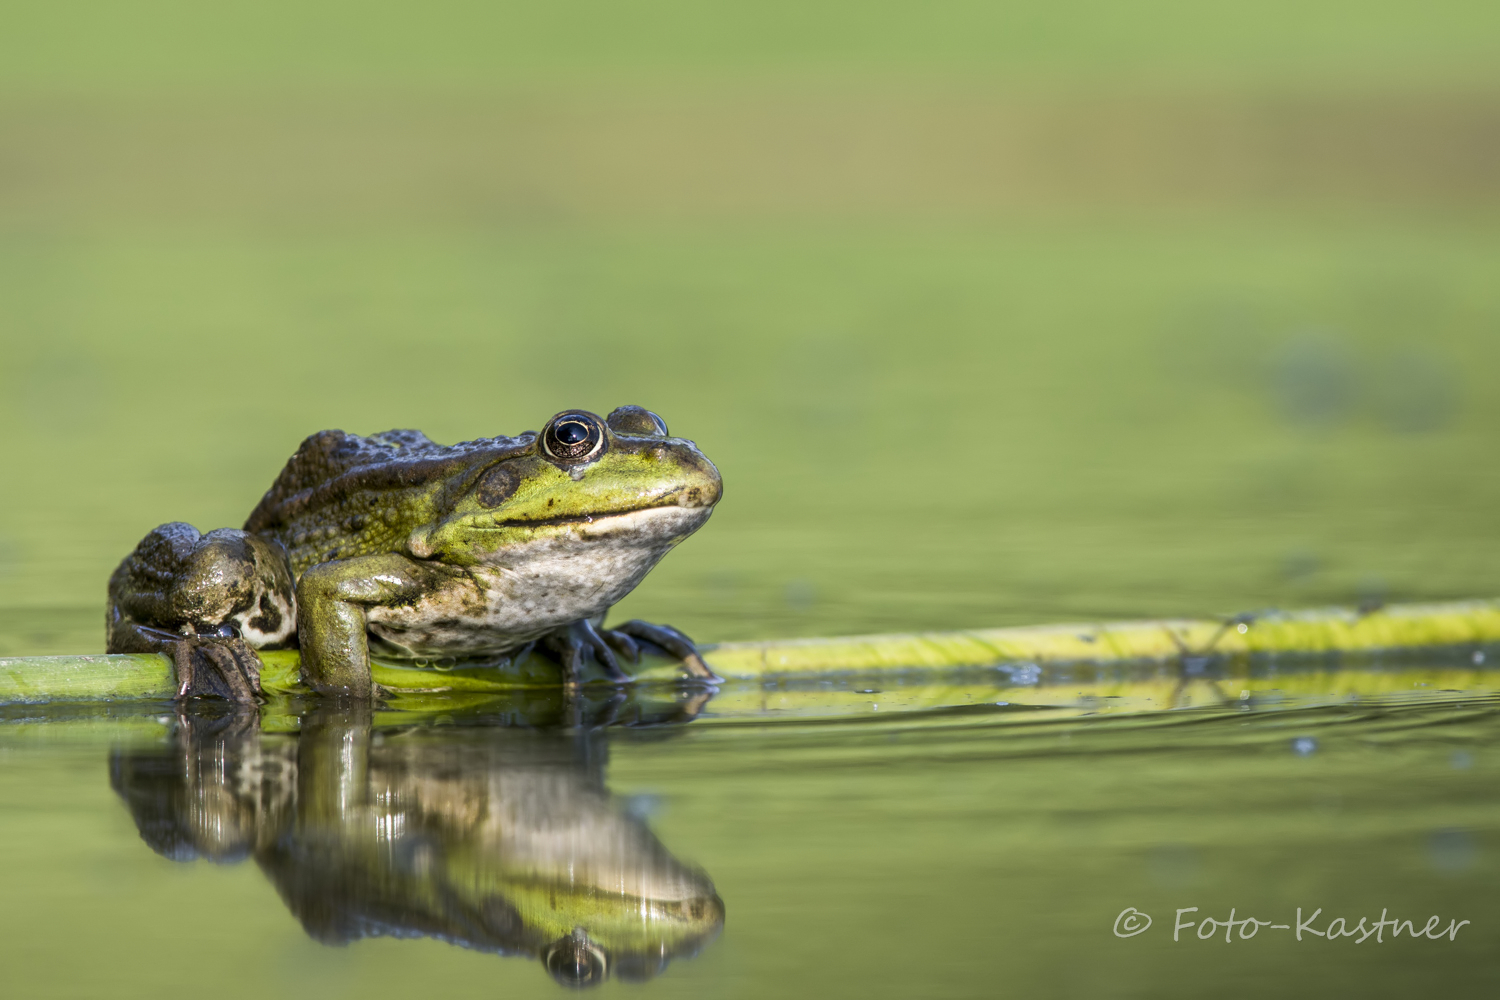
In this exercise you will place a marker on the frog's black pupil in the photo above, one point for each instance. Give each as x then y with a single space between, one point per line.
572 432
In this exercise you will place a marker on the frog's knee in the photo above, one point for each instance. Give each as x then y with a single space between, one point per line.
323 585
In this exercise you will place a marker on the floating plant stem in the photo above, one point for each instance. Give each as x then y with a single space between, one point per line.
1023 651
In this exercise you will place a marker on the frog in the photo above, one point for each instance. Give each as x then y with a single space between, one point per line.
395 546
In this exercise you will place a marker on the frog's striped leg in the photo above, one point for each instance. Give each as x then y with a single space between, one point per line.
205 601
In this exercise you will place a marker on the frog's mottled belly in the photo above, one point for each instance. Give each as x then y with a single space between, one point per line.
529 588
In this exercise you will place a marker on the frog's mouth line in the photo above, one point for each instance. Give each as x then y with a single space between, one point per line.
661 504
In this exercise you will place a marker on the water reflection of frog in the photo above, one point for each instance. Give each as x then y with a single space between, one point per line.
396 545
502 840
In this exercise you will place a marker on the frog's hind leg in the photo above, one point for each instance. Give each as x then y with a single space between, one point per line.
207 602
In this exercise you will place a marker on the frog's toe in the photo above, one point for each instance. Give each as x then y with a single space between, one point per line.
674 642
213 667
578 642
622 644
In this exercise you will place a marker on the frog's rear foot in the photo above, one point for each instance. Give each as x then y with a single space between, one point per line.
216 667
207 666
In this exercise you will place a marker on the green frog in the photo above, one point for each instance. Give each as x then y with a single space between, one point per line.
394 545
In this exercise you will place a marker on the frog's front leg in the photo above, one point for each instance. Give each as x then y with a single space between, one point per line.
576 642
333 604
668 638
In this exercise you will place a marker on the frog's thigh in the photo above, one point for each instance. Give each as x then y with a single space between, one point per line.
332 601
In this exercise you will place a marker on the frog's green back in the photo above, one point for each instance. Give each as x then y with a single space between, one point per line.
342 495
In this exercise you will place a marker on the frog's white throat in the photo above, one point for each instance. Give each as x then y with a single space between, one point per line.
532 586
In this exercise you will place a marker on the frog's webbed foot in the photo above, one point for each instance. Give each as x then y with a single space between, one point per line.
583 639
623 637
576 643
207 666
216 667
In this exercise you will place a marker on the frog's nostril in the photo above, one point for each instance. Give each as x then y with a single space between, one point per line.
702 495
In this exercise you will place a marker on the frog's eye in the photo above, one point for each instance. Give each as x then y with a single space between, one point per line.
636 420
574 436
576 961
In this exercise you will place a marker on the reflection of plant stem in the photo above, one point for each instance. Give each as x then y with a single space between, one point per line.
1190 662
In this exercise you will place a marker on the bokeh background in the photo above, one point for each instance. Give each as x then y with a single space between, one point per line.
991 313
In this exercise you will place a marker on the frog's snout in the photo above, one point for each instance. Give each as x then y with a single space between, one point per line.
703 487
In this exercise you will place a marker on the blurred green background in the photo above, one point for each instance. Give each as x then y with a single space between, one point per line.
990 313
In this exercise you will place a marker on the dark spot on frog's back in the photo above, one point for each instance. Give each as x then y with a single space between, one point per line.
497 486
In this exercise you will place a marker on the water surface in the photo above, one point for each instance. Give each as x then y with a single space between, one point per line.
984 849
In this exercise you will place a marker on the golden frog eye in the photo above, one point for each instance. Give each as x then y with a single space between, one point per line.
574 436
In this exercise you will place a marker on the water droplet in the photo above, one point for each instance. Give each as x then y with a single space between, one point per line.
1452 851
1022 674
800 595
